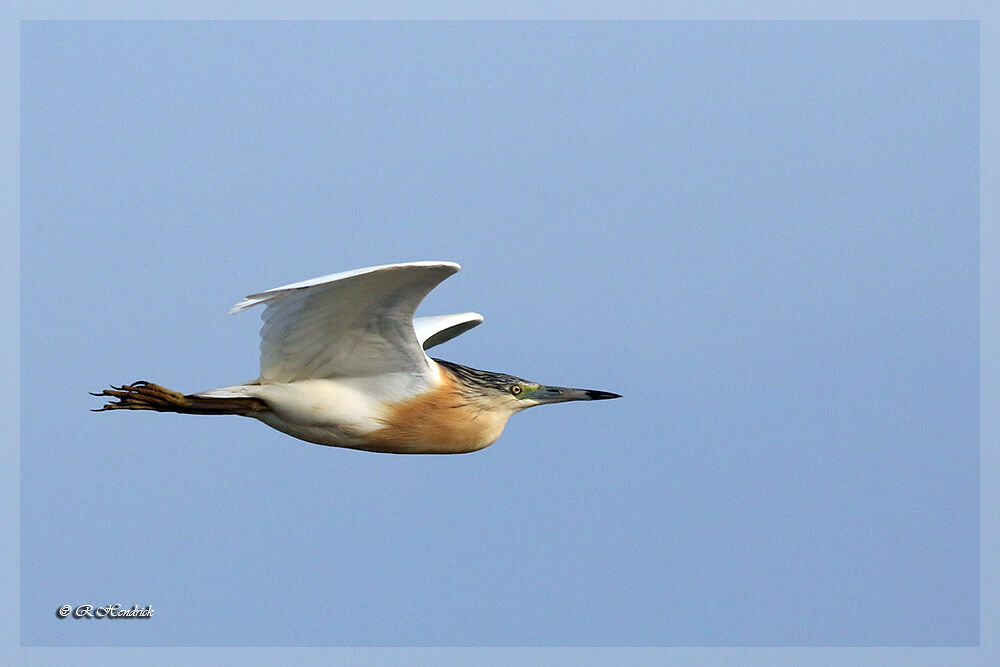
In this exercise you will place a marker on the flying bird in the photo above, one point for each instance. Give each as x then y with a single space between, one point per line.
343 364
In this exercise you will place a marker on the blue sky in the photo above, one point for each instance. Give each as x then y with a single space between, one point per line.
764 235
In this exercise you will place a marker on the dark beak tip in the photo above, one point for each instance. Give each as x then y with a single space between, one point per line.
595 395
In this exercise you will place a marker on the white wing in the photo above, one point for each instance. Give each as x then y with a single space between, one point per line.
435 330
356 323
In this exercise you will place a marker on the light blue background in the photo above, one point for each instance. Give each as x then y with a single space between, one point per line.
764 235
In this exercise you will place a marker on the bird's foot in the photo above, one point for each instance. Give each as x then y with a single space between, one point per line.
142 395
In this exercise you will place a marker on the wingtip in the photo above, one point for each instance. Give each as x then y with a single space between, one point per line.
248 302
455 267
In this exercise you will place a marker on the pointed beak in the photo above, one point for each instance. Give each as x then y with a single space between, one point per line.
546 395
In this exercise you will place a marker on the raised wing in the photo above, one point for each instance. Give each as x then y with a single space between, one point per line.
356 323
435 330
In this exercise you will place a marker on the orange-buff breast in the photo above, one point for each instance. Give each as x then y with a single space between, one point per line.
443 420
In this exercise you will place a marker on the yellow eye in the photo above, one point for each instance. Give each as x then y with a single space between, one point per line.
515 389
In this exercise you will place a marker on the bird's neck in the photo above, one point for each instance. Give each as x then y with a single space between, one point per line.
445 419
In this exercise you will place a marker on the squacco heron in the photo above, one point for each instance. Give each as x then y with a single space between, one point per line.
343 364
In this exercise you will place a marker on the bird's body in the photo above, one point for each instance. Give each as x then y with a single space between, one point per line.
343 364
382 414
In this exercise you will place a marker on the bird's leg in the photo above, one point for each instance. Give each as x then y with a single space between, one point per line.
143 395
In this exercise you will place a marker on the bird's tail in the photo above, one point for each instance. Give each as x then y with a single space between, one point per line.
144 395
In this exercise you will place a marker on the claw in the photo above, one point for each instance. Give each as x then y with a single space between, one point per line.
141 395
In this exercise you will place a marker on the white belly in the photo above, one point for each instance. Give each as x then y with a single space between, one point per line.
335 412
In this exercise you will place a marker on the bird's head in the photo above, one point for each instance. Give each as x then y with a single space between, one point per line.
500 391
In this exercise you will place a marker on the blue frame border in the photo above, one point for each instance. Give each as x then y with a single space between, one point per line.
988 18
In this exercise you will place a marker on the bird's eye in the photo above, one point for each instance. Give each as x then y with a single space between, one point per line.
515 389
